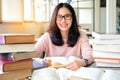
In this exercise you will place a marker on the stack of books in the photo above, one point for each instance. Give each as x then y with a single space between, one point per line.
20 65
106 50
11 70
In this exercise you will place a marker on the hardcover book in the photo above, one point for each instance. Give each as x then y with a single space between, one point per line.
15 75
107 65
97 54
97 35
104 47
10 65
16 38
106 41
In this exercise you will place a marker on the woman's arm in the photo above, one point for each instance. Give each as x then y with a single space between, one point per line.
86 52
42 44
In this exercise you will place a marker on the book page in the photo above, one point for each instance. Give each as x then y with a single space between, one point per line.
56 62
62 60
111 75
76 78
45 74
89 73
64 73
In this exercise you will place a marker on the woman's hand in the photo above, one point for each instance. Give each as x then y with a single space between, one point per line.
75 63
72 66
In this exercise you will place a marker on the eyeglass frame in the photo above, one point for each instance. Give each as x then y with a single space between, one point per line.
60 17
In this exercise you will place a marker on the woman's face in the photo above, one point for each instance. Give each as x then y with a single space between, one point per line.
64 19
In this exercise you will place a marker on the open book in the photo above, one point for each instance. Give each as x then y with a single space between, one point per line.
51 73
90 73
83 73
60 62
55 71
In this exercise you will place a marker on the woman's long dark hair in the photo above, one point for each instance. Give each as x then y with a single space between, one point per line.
55 34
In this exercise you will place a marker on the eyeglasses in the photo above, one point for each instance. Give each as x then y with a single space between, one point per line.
66 17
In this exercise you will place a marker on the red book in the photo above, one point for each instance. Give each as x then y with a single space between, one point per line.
10 65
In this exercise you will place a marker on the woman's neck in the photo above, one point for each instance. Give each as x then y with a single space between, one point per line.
64 34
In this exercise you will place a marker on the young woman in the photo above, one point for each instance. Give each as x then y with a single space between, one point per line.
64 39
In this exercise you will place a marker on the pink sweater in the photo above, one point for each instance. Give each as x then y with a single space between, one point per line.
82 47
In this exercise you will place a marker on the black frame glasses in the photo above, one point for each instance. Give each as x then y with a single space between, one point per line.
66 17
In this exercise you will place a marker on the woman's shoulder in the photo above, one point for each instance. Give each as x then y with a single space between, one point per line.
83 36
44 36
82 33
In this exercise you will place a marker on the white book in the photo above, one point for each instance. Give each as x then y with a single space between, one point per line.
51 74
105 36
59 62
106 54
45 74
107 60
105 41
107 65
104 47
85 73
